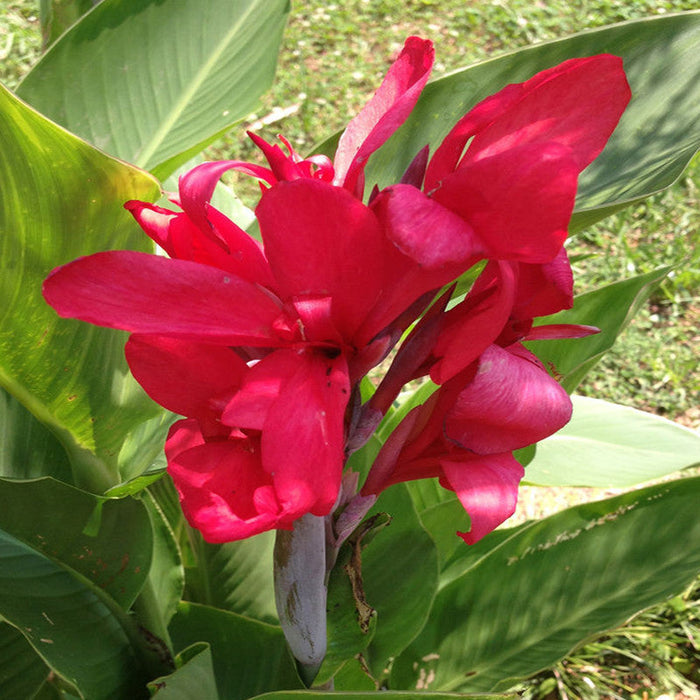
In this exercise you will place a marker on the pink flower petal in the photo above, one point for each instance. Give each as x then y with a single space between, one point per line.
220 486
229 248
424 230
303 436
197 186
155 221
384 113
511 402
249 407
474 324
448 154
487 487
183 376
518 203
543 289
555 331
149 294
244 255
576 104
322 242
316 318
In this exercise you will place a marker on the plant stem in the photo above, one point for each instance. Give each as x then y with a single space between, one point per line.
300 591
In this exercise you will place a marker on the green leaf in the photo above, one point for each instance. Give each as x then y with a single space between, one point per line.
610 309
654 142
546 586
402 600
28 449
443 521
108 542
70 623
610 445
162 590
57 15
62 199
194 677
22 672
353 677
351 620
141 458
427 493
250 657
154 81
389 694
235 576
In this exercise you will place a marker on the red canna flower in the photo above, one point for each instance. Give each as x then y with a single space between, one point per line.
466 432
261 346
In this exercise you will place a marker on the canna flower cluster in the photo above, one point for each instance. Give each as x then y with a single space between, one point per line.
261 347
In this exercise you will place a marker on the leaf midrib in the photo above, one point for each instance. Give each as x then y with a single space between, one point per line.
186 95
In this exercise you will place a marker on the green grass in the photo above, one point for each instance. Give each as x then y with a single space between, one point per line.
20 40
334 56
654 365
657 651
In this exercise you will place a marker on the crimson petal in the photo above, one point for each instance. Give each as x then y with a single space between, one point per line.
224 491
475 323
487 487
385 112
196 186
511 402
155 221
303 436
518 203
249 407
448 154
149 294
543 289
576 104
322 242
553 331
184 376
424 230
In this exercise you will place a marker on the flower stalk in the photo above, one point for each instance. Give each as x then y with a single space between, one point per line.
300 592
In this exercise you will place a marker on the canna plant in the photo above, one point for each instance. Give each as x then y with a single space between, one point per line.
364 373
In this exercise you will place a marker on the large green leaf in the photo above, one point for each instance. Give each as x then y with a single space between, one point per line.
71 623
250 657
162 590
655 140
108 542
22 672
154 81
57 15
236 576
443 521
351 621
610 445
61 199
28 449
400 570
608 308
544 587
389 694
194 677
